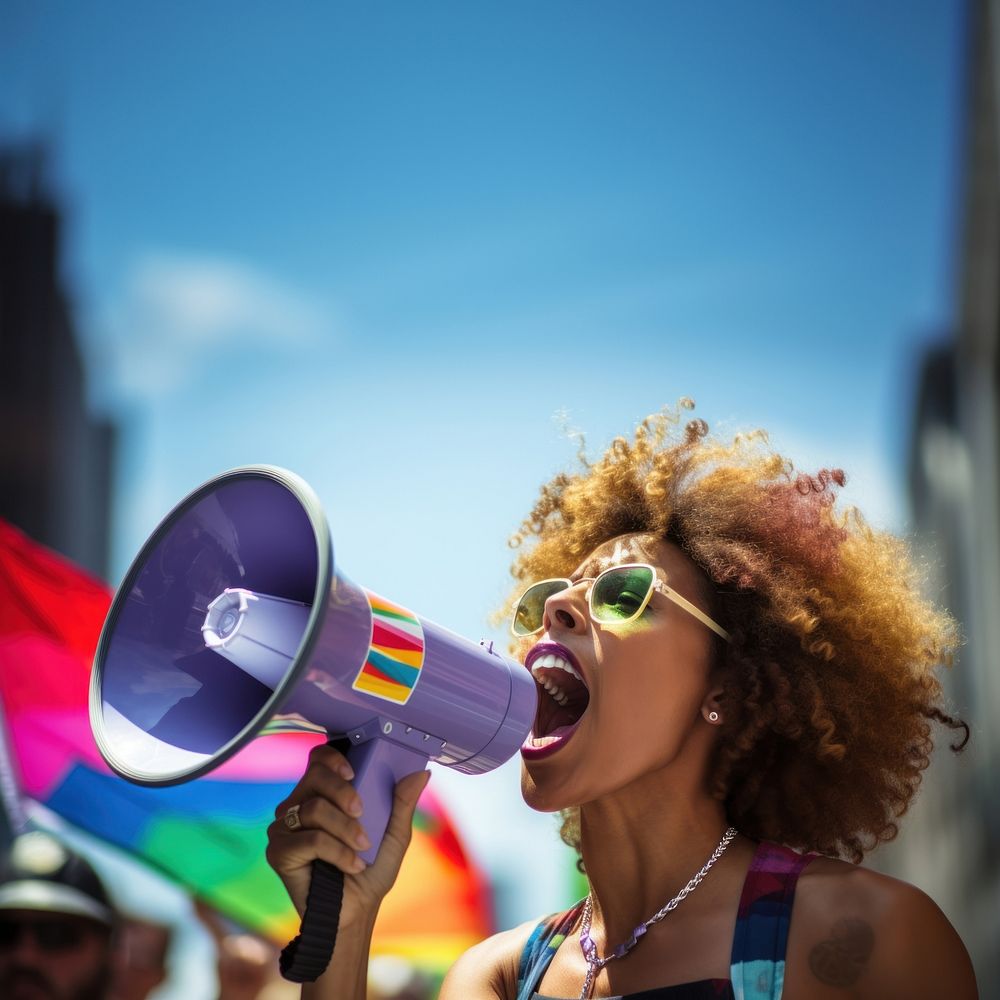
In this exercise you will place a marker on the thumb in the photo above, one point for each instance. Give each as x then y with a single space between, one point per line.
404 805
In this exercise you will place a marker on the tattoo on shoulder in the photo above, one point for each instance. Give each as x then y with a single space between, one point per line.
840 960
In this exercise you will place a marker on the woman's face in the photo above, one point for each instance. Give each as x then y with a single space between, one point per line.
644 684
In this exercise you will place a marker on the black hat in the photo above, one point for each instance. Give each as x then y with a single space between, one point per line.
40 873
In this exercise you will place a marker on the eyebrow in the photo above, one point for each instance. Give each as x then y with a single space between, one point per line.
582 574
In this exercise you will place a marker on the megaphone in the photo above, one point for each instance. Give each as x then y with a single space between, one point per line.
232 622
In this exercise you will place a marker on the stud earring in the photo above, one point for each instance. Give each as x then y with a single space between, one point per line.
713 716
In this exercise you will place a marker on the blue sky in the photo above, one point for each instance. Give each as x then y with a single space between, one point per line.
354 224
395 246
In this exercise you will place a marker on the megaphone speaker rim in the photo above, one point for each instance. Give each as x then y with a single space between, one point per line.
304 493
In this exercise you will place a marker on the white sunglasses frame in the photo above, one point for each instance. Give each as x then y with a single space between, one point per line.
658 585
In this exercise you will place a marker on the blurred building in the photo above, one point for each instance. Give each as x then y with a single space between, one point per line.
55 455
951 841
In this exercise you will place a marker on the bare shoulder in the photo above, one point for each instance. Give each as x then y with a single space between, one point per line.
488 970
857 933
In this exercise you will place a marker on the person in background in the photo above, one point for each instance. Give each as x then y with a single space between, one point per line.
57 924
140 960
247 964
391 977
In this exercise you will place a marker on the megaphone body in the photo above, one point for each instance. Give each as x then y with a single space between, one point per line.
233 622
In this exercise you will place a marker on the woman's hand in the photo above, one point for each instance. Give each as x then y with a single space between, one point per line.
329 809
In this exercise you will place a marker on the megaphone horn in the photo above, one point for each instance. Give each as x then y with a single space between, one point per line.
232 622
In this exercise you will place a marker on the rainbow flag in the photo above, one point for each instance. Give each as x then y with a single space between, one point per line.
207 835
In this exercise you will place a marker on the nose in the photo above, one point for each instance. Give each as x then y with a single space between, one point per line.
25 949
567 609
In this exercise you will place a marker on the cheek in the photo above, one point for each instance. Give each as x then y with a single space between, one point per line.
86 967
657 699
653 724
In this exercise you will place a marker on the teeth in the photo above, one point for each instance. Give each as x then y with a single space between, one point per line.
553 689
550 660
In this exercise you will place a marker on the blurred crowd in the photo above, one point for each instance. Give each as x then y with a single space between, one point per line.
62 938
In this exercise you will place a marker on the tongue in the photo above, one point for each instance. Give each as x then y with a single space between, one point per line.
560 732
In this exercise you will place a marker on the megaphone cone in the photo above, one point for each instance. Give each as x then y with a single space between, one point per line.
233 622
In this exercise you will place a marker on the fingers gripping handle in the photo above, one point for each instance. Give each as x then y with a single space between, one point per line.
378 765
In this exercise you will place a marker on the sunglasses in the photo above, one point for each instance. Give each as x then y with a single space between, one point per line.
616 597
49 935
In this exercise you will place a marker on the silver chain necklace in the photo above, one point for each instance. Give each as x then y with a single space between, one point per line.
594 961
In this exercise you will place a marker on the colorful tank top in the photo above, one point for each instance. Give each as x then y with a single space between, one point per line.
757 966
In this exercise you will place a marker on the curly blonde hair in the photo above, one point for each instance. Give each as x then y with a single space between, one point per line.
830 692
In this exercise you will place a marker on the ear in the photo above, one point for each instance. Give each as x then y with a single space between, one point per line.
711 707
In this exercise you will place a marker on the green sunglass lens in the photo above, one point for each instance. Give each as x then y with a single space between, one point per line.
530 609
619 593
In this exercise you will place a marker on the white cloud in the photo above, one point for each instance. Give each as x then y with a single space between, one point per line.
178 313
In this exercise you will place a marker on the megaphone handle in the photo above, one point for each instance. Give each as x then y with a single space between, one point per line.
378 764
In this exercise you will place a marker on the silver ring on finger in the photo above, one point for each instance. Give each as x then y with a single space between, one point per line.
291 818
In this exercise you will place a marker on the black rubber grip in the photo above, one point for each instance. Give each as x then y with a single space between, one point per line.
304 959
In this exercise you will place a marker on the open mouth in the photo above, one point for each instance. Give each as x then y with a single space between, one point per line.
562 698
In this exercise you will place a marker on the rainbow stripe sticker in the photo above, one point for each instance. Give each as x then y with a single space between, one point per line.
396 652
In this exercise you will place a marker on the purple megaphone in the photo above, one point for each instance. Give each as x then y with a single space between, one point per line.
232 623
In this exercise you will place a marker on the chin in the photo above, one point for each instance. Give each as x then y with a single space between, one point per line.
540 797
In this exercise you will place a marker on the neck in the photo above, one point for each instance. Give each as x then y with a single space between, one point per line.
640 847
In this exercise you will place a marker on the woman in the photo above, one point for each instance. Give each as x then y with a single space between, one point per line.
726 664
